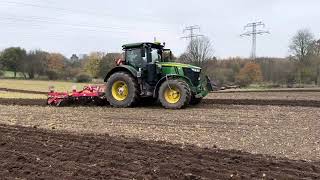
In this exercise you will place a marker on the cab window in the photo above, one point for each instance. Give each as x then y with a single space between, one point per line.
155 56
134 57
166 56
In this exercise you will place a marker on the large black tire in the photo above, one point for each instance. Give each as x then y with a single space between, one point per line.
184 91
195 101
133 90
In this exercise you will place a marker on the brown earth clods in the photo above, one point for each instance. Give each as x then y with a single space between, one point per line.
264 102
30 153
277 97
269 95
23 102
281 131
261 102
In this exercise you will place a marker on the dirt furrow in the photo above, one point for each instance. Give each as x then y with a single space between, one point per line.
205 102
22 91
91 157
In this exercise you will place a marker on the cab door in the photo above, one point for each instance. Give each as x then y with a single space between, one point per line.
136 58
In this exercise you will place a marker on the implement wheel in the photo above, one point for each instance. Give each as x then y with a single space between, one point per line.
122 90
174 94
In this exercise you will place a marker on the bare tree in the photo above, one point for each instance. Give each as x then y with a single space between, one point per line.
199 51
302 45
35 63
317 47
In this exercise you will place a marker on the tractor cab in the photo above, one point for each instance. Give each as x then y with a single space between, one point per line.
146 57
140 54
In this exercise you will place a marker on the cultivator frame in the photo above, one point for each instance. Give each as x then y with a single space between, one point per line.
89 95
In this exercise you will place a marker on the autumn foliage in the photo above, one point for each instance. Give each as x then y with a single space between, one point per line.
56 62
250 73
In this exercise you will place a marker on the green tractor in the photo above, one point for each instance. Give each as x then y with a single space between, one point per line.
147 72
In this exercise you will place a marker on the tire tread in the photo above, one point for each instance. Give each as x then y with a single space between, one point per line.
186 90
132 101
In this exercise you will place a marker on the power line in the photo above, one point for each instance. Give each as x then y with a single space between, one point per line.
253 33
74 26
41 23
58 21
33 22
39 32
191 35
83 11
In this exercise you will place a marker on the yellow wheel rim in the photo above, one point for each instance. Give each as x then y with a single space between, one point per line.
172 95
119 90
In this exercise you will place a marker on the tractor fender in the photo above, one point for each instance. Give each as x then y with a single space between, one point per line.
169 76
123 68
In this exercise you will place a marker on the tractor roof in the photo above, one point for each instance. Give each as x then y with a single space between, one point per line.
140 44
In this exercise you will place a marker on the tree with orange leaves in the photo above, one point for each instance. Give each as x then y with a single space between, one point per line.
56 62
249 74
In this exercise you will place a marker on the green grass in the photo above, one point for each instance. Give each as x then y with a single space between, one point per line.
37 85
10 74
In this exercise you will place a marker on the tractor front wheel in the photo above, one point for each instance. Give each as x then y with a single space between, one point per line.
174 94
122 90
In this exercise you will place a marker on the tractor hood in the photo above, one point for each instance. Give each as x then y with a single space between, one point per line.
174 64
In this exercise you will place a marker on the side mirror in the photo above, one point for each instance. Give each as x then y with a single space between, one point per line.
143 52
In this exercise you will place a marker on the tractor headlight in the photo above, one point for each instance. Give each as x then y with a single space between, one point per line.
195 69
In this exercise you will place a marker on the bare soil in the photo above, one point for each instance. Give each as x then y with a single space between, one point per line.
23 102
263 102
305 89
281 131
207 101
296 97
268 95
22 91
31 153
149 142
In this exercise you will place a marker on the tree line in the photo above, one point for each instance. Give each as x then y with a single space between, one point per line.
39 64
301 67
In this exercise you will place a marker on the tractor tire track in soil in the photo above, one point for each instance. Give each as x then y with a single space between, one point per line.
23 102
264 102
31 153
23 91
269 90
260 102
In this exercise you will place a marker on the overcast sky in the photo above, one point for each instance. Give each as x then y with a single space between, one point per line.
79 26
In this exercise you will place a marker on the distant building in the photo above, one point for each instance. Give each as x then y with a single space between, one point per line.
74 58
82 56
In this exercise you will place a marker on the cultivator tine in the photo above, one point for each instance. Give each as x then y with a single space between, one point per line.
61 103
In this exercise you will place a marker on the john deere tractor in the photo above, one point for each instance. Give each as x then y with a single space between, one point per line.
147 72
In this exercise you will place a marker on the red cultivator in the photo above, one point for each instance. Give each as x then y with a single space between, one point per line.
90 95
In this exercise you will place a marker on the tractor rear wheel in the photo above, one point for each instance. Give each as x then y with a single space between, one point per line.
174 94
122 90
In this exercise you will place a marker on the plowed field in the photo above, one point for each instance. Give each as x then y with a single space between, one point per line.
256 135
281 131
28 153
